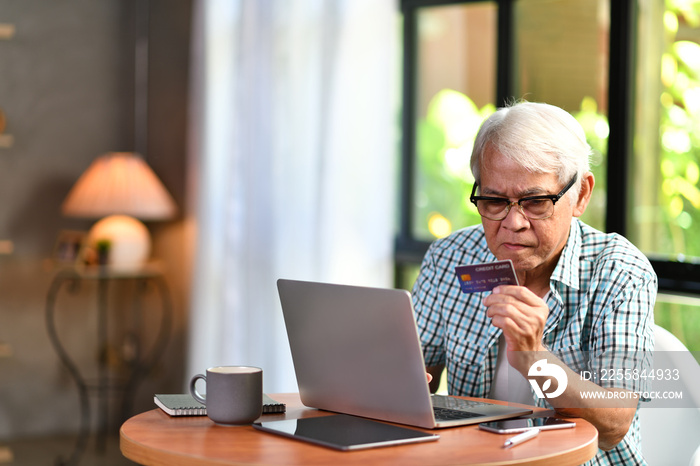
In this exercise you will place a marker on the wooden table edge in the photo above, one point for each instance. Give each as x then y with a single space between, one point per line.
141 453
579 456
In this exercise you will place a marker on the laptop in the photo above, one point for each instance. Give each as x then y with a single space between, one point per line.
356 351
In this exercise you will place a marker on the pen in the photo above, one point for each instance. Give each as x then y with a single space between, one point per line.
520 438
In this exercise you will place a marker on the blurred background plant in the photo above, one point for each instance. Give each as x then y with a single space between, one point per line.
680 130
679 133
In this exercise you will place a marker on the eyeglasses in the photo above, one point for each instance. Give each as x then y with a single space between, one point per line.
532 207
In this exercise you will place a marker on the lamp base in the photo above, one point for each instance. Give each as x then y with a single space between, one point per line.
120 241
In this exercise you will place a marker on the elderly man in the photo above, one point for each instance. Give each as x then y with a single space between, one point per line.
579 289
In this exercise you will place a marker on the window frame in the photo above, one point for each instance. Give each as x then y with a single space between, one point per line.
674 276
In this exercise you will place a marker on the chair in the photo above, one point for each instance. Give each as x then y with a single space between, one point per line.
672 435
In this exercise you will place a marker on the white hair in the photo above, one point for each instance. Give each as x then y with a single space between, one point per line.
539 137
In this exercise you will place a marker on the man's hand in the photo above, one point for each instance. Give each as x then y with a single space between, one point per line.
434 373
521 315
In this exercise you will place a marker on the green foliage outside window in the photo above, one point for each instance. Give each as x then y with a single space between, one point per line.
680 130
679 139
444 180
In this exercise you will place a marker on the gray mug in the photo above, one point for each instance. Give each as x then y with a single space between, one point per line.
234 394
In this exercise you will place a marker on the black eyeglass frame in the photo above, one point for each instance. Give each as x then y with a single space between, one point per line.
552 197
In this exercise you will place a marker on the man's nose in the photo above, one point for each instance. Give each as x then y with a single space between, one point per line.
515 218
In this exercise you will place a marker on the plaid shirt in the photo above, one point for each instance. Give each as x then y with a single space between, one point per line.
601 298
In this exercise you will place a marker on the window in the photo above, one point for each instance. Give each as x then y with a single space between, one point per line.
629 71
665 215
560 56
455 91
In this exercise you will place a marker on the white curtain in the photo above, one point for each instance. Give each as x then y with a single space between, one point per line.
293 151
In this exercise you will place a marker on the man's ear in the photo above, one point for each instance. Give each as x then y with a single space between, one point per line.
584 195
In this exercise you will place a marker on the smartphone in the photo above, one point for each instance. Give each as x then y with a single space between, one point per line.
513 426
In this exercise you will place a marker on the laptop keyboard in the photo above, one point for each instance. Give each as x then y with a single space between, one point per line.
446 414
452 402
448 408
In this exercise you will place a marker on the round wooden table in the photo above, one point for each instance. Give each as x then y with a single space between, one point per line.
153 438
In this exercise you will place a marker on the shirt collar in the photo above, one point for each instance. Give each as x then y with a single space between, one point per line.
567 270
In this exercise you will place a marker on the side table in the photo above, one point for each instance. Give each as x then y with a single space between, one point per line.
140 360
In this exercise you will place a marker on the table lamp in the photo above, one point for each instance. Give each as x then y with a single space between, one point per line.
121 187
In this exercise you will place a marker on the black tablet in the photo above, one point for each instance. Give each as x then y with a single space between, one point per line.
343 432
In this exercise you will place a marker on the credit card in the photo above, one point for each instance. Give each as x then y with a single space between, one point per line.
477 278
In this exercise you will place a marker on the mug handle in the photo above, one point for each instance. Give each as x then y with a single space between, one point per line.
193 389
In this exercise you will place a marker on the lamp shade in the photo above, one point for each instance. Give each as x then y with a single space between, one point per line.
119 183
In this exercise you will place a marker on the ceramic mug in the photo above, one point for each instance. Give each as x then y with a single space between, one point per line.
233 395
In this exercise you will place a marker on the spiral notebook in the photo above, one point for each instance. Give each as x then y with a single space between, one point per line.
185 405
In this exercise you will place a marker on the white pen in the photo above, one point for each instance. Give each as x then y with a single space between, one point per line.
520 438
